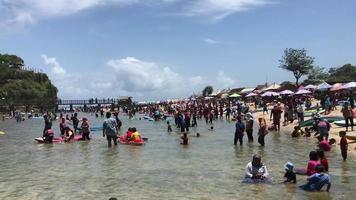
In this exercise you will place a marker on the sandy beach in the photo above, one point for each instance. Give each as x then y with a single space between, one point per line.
334 131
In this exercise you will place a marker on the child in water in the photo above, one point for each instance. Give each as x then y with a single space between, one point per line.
343 144
323 160
317 180
69 134
85 129
297 131
184 139
169 127
290 174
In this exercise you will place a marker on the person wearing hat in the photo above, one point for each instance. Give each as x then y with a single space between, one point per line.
249 126
85 129
239 132
256 170
290 174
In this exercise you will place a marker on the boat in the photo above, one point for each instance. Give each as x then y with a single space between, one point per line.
330 119
2 133
122 140
341 123
309 113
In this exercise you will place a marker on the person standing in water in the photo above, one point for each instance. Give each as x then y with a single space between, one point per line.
62 126
249 127
75 121
276 114
48 123
343 144
262 132
110 129
239 132
85 129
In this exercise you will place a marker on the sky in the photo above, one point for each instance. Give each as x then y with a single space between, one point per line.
163 49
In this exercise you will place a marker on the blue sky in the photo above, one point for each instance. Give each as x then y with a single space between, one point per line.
158 49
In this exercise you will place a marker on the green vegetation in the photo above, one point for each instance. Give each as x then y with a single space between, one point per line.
21 87
300 64
208 90
345 73
297 61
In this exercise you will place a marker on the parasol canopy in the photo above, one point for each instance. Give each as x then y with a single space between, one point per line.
349 85
270 94
286 92
324 86
251 94
234 95
303 92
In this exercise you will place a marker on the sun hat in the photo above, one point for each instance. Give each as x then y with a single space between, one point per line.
288 166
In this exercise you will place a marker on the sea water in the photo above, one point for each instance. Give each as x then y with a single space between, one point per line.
210 167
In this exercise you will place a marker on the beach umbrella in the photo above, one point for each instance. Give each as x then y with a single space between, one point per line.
224 96
303 92
286 92
235 95
324 86
252 95
310 87
336 87
349 85
270 94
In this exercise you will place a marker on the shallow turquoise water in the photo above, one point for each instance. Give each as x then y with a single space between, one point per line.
209 168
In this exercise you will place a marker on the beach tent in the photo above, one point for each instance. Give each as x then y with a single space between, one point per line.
274 86
349 85
235 95
251 94
270 94
303 92
247 90
324 86
286 92
310 87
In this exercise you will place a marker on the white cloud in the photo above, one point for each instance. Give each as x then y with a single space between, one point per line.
24 12
128 76
57 69
224 80
135 75
219 9
211 41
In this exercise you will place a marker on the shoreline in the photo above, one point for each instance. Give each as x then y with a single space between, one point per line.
333 133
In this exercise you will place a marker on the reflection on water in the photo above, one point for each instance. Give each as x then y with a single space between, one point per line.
210 167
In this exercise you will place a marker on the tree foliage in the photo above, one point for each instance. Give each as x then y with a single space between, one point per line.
296 61
317 75
346 73
208 90
23 87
